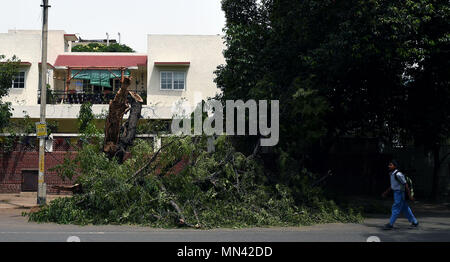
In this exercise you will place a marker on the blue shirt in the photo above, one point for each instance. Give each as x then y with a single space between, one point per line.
395 185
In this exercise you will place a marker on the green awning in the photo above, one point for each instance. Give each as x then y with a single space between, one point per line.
98 77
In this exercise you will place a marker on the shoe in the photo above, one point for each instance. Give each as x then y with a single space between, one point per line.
416 225
388 227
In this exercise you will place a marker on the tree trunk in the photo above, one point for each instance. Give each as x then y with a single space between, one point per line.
437 167
128 130
113 146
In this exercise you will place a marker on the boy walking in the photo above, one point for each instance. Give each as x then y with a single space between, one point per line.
399 186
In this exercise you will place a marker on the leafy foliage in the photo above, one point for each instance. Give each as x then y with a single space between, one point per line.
8 69
154 126
184 185
97 47
19 133
5 114
427 115
355 68
90 134
85 117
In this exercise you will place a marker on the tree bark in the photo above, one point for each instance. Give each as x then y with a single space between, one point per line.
113 145
117 108
128 130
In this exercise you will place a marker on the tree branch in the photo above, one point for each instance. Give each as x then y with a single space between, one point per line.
142 169
181 218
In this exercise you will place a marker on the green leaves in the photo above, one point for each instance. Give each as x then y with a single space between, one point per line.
341 68
97 47
8 70
5 114
86 126
220 189
66 170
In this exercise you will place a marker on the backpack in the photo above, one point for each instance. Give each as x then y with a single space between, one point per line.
408 181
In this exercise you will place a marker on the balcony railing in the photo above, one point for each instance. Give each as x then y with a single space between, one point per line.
78 98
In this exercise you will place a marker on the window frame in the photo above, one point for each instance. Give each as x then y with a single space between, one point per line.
172 72
24 81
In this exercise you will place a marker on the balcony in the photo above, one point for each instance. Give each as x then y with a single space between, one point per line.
79 97
95 78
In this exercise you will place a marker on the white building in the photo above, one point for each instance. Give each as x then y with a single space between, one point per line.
175 68
182 66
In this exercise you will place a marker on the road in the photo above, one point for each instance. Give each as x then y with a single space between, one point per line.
435 226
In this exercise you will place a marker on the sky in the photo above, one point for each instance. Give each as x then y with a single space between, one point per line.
134 19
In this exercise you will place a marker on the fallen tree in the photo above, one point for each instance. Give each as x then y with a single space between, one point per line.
184 185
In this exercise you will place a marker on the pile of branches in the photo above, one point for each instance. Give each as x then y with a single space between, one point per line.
182 185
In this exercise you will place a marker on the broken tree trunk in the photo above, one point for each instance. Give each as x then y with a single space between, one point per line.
128 130
114 146
117 109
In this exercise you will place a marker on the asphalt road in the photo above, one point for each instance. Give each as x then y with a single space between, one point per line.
435 226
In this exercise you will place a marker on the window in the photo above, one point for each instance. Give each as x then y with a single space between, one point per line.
173 80
166 80
178 80
19 80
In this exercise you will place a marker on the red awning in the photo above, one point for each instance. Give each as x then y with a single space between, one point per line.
98 61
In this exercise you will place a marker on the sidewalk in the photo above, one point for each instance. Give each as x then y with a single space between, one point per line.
22 202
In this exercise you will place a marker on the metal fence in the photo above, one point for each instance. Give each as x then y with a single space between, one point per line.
78 98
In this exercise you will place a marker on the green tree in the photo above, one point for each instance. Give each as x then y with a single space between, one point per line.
8 69
86 125
426 116
339 67
85 117
98 47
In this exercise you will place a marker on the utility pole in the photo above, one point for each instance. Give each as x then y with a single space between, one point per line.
42 126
